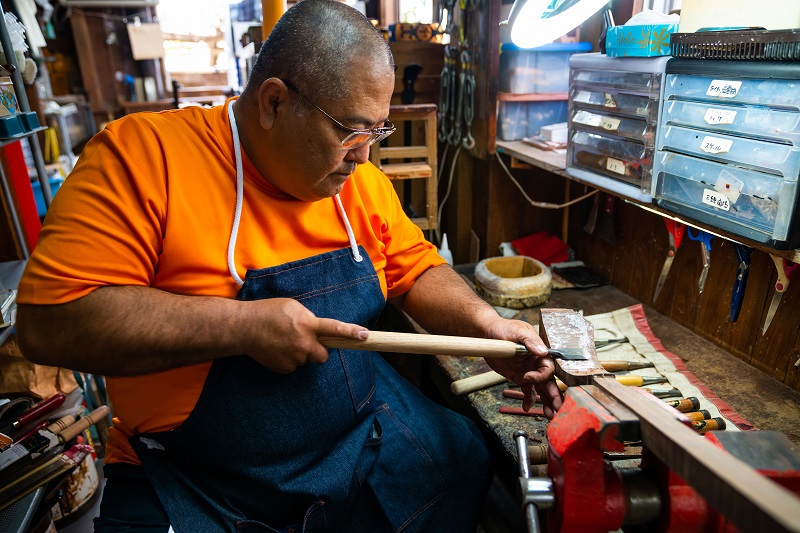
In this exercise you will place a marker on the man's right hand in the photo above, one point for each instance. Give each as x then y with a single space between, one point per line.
282 334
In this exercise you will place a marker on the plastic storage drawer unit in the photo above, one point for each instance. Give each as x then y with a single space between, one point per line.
728 150
544 69
613 120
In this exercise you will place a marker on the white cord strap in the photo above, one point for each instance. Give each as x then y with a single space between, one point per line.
350 235
237 215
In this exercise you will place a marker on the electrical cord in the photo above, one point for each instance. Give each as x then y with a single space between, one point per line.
543 205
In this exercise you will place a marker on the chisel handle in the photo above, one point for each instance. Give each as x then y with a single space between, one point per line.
75 429
390 341
473 383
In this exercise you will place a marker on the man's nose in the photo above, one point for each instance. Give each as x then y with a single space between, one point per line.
360 154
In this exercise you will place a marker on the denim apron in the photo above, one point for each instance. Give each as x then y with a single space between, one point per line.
347 445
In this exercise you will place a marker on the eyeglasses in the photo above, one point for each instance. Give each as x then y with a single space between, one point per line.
356 138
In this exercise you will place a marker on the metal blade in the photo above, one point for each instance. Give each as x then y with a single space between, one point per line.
663 276
572 354
773 306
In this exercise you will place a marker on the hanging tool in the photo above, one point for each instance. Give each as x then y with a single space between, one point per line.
785 270
743 254
675 230
467 100
447 94
705 243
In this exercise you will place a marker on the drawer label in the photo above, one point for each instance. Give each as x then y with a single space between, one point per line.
615 165
716 199
723 88
719 116
589 119
608 100
715 145
609 123
729 185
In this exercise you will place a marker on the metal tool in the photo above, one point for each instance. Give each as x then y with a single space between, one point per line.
785 270
675 230
537 493
743 253
705 243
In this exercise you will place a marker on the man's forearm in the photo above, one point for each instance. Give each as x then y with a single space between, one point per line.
442 303
129 331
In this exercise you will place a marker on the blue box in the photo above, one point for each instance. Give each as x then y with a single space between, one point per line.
55 184
10 127
544 69
29 121
649 40
516 120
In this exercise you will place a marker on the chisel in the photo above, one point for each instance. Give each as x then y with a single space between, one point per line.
390 341
44 439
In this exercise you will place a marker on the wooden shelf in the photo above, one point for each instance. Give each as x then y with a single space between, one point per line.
532 97
556 163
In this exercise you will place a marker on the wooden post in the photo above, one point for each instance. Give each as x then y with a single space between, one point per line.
271 11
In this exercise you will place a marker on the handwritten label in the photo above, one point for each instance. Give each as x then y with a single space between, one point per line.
719 116
615 165
723 88
609 123
715 145
608 100
715 199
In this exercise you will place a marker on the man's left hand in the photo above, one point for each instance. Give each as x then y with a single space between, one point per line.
533 372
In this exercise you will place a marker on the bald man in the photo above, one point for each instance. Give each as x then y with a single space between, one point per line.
196 256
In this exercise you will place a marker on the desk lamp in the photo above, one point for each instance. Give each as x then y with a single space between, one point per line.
537 22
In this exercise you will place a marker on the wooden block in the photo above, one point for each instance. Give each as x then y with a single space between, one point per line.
405 171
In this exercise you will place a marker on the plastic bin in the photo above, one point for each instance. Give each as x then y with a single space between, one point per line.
544 69
757 122
10 126
516 120
774 158
55 184
734 90
545 113
630 128
512 120
765 208
617 102
616 158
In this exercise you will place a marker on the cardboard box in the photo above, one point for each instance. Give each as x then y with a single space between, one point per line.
649 40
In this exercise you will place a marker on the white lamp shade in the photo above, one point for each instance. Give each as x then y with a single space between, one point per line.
528 28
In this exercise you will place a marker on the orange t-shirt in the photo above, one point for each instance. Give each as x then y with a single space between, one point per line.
151 203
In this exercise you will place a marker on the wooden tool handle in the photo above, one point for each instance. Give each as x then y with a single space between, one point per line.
389 341
75 429
61 424
473 383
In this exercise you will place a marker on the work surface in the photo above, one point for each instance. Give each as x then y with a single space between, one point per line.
760 399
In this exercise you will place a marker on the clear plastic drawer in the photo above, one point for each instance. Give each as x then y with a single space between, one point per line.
746 202
616 158
631 128
616 102
774 92
772 157
642 82
758 122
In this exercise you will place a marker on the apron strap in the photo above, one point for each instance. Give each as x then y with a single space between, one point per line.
237 215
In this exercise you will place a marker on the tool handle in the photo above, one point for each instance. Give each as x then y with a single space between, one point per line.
75 429
390 341
785 269
40 408
61 424
473 383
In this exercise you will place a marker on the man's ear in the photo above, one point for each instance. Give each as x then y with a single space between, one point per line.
272 100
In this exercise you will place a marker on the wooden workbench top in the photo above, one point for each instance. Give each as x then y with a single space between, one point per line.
762 400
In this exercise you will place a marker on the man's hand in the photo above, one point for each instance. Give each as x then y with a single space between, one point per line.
283 335
531 372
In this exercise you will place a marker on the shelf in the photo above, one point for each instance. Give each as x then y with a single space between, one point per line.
556 163
532 97
8 140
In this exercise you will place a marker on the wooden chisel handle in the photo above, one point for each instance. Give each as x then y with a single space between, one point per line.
390 341
473 383
75 429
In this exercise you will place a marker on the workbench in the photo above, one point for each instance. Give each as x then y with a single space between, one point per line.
763 401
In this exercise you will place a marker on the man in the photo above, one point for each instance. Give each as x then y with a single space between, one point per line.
197 256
